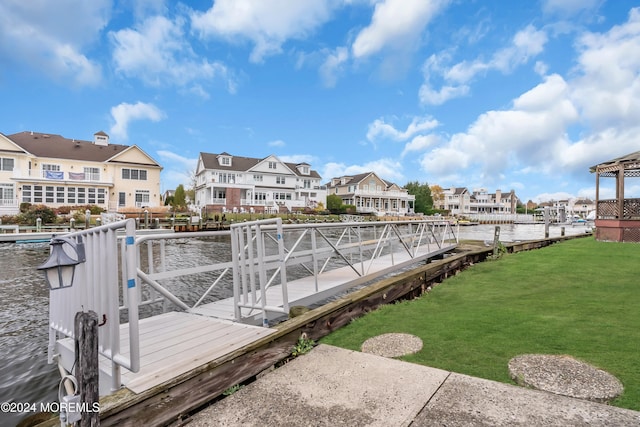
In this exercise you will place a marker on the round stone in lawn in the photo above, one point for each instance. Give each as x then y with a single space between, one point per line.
564 375
392 345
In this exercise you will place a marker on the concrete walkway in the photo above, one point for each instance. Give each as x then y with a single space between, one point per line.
331 386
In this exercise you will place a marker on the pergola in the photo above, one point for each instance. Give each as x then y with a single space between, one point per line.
618 219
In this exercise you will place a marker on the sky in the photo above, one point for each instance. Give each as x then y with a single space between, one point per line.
523 95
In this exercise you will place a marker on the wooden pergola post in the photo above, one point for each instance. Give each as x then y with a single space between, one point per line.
620 191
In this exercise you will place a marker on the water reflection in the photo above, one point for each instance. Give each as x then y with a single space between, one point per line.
25 375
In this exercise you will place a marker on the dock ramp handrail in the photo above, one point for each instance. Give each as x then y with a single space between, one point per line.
101 282
263 251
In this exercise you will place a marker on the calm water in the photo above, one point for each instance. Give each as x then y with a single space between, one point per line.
25 375
518 232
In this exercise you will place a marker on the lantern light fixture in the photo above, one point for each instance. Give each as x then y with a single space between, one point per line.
59 268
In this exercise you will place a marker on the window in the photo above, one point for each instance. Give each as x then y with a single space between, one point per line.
122 198
82 196
259 196
257 178
305 170
220 194
102 195
272 165
48 194
226 178
91 196
282 196
59 194
92 174
225 161
6 193
6 164
306 183
71 195
51 171
280 180
142 197
134 174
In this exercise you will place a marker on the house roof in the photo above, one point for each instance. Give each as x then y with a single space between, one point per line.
630 161
243 164
59 147
355 179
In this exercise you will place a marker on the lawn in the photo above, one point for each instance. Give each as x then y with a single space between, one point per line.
579 297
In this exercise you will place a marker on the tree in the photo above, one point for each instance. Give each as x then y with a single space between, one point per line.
334 203
190 194
424 201
179 198
437 195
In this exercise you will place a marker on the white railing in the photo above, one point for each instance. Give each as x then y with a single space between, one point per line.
62 176
8 203
255 262
254 258
101 282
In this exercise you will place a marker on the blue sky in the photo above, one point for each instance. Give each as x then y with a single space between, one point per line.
522 95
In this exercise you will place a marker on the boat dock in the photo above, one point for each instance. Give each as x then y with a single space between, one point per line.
124 271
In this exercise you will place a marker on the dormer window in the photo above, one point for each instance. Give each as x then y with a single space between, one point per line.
304 169
225 161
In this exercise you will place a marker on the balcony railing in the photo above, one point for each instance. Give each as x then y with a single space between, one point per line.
609 209
62 176
385 194
8 203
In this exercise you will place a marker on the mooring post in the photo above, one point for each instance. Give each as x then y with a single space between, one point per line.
496 240
86 346
562 231
547 219
87 219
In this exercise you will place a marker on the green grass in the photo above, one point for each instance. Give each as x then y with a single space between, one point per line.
580 297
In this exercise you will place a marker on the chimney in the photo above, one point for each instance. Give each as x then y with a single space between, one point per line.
101 138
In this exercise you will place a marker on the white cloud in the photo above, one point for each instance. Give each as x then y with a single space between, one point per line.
533 132
380 129
395 24
276 143
124 113
420 143
525 45
157 52
177 169
50 39
186 163
268 24
333 65
608 86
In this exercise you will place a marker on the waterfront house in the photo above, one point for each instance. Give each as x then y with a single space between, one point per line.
459 201
371 194
483 202
228 183
456 200
581 207
51 170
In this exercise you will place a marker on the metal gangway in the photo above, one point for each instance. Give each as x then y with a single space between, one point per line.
244 279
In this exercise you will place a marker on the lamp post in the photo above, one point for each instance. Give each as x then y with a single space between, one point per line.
59 268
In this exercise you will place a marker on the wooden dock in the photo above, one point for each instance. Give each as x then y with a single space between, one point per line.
174 343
